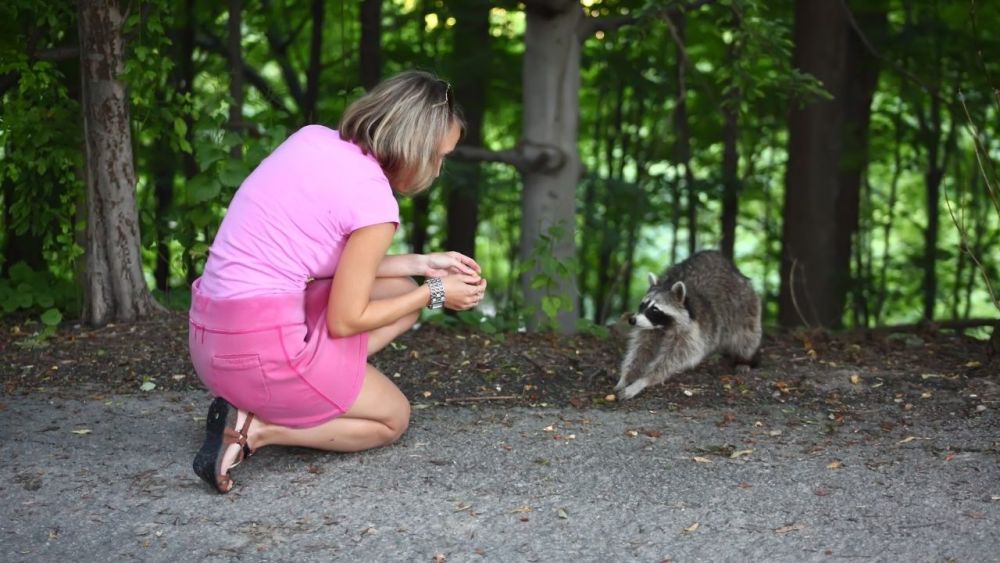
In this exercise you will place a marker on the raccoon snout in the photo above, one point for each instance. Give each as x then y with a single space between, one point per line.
631 320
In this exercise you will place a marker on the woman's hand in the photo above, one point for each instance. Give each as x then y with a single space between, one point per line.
463 291
441 264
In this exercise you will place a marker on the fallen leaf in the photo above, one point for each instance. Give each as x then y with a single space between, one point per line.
973 364
562 513
426 394
691 528
439 558
726 419
740 453
82 431
744 485
147 386
855 378
789 528
631 433
835 464
688 392
178 376
610 398
654 433
907 440
700 459
822 492
548 428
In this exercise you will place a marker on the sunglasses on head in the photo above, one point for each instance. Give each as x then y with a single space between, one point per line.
447 97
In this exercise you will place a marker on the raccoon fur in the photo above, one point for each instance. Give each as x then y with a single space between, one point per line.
700 306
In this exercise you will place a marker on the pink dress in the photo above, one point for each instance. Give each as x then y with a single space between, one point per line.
258 335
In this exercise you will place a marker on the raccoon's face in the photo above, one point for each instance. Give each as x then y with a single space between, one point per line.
661 309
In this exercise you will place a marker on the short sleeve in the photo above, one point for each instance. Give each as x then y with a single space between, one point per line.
371 203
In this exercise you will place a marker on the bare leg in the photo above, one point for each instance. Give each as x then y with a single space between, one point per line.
385 288
378 417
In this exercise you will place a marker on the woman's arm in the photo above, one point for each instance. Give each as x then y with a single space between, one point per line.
351 309
436 264
399 265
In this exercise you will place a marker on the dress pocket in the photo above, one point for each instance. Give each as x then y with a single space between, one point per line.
242 380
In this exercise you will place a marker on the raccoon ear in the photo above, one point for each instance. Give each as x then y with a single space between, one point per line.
679 291
652 279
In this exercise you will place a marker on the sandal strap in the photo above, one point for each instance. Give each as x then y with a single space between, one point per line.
232 436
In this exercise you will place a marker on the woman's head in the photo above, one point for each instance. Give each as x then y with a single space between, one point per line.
408 122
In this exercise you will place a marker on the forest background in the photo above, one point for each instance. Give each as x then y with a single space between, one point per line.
842 151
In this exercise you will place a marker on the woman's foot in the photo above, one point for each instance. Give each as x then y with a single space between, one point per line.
224 446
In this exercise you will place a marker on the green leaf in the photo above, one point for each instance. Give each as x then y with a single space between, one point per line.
180 127
52 317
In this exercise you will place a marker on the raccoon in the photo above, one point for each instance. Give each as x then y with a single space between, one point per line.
701 305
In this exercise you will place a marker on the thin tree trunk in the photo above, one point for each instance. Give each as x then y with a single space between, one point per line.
682 150
115 288
827 154
371 43
318 11
235 52
420 207
730 173
897 171
471 64
551 82
730 154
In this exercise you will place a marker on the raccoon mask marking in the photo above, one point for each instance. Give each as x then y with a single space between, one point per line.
660 309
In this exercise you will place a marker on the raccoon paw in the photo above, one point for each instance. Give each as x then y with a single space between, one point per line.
632 390
742 368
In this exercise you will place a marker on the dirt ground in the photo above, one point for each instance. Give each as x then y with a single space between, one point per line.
924 372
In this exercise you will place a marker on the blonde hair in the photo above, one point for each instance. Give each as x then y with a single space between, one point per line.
402 122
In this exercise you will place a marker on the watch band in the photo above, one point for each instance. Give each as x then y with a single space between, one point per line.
437 293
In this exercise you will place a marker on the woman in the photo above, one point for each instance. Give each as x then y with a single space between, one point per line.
298 289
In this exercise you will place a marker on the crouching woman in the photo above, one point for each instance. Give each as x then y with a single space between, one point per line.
298 290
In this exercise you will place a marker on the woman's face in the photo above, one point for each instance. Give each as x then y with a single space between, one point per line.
447 145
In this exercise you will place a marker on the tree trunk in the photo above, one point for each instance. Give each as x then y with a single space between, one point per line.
682 150
827 152
470 72
317 11
551 82
730 173
235 51
730 158
371 43
115 288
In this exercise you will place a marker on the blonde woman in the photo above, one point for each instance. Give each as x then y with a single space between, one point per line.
298 290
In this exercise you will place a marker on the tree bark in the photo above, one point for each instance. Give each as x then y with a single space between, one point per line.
730 158
115 288
551 82
235 56
371 43
318 11
470 70
827 152
682 150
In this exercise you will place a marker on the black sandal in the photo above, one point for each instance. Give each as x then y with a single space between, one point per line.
220 433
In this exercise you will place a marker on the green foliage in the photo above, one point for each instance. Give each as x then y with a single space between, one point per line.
632 200
545 271
23 290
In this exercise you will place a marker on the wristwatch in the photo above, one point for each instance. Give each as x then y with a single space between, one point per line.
437 293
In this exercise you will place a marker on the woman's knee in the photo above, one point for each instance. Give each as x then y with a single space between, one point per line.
397 423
